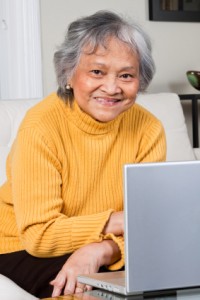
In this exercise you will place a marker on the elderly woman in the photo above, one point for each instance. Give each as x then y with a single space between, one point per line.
61 208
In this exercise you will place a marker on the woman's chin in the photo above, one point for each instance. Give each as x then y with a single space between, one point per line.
105 117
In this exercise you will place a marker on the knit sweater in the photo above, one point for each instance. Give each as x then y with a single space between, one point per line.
64 176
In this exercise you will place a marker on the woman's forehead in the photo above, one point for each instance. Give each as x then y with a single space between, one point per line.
117 56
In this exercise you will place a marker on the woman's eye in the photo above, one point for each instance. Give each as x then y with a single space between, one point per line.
127 76
96 72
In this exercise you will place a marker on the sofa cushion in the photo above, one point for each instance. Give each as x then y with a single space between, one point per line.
167 108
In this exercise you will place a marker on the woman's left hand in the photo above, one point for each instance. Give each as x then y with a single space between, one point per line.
85 260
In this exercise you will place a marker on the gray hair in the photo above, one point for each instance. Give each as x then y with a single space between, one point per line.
95 30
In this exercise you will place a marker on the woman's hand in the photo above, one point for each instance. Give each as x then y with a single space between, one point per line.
85 260
115 224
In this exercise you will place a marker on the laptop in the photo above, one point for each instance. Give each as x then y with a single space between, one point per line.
162 230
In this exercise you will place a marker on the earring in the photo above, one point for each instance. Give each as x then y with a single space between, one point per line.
68 87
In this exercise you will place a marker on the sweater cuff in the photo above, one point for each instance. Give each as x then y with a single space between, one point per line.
88 229
119 240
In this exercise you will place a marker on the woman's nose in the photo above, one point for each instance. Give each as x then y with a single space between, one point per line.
110 85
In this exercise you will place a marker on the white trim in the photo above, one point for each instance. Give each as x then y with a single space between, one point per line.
20 50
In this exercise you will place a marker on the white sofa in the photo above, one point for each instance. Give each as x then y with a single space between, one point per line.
166 106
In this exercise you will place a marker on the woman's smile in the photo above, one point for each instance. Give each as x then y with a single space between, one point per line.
107 101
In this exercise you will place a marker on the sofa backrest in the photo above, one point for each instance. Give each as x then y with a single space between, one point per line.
166 106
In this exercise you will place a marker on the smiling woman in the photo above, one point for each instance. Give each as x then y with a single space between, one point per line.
106 82
61 207
80 36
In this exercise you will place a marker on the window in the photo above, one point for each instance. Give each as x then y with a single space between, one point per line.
20 50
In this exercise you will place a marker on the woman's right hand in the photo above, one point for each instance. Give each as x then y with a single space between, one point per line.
85 260
115 224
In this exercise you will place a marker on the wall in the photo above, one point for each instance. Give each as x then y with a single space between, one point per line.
176 46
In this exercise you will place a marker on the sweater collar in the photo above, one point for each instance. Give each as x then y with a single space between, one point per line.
87 124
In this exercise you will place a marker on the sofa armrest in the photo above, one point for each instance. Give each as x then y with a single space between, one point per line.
10 290
11 115
197 153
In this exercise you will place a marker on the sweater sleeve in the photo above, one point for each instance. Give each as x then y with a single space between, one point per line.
37 195
153 144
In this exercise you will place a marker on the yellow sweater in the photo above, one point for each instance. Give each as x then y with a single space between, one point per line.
65 176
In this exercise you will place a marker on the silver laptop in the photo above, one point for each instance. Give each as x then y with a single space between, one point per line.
162 230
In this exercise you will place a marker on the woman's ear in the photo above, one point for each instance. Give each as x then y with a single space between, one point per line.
70 83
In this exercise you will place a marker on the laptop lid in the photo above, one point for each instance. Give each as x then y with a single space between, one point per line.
162 225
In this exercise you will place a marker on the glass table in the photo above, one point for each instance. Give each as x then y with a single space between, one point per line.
185 294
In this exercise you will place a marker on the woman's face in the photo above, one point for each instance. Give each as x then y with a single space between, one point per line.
106 82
